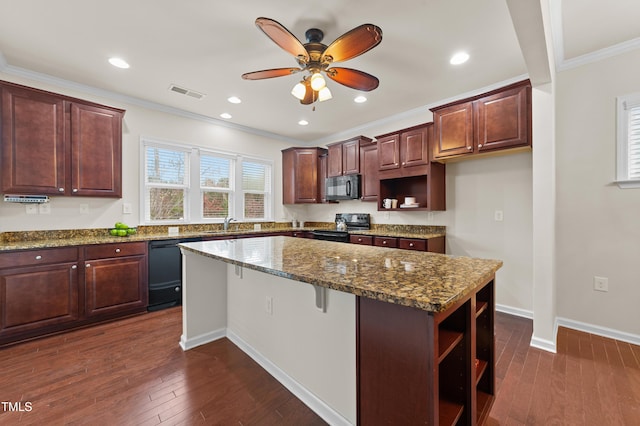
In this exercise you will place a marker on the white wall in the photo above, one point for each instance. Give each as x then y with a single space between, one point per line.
138 122
598 224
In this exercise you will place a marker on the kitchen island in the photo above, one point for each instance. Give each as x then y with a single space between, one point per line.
361 334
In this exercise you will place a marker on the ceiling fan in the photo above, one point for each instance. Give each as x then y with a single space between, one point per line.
316 58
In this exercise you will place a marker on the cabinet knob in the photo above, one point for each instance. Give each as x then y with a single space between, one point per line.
479 145
469 148
75 189
88 265
74 267
38 257
410 244
359 240
384 242
60 189
117 250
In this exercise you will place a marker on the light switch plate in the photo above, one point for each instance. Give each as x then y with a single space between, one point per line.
126 208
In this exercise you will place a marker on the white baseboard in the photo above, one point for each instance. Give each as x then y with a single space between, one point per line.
634 339
309 399
202 339
544 344
514 311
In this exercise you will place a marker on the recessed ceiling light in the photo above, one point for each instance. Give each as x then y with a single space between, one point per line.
234 100
119 62
303 122
225 115
360 99
459 58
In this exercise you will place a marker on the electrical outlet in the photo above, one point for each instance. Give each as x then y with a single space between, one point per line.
498 216
44 208
269 305
31 209
126 208
601 283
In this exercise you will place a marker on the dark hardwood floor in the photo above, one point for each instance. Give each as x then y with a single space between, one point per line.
132 372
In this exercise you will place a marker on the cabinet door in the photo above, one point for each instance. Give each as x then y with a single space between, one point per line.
96 147
334 163
389 152
453 130
502 120
369 169
351 157
306 176
34 298
33 142
115 285
414 147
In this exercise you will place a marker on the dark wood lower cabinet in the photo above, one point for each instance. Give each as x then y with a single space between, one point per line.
51 290
416 367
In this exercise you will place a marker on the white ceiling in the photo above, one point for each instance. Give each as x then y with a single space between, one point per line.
206 45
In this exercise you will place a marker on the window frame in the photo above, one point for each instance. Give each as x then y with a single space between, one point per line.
147 142
194 191
624 104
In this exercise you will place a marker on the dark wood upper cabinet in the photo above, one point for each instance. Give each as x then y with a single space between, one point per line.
302 177
96 148
344 157
369 168
56 145
388 151
494 121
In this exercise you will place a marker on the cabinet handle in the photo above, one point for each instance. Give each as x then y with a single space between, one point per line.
60 189
410 244
74 267
75 189
88 265
38 257
117 250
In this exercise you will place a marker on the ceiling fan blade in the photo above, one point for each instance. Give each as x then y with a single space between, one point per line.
275 72
355 79
353 43
283 38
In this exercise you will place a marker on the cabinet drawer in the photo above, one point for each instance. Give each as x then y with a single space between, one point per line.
361 239
385 242
101 251
38 257
412 244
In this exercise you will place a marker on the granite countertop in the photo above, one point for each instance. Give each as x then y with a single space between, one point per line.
427 281
65 238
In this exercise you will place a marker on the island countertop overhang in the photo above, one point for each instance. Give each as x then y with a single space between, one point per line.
427 281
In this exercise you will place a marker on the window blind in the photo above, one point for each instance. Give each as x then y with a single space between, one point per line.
634 143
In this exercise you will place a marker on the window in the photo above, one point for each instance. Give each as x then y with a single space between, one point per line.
183 184
166 184
216 183
628 144
256 189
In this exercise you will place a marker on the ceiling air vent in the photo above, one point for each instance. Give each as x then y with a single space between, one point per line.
186 92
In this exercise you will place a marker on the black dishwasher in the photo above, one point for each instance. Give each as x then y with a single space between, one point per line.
165 273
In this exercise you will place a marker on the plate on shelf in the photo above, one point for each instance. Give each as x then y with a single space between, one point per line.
408 206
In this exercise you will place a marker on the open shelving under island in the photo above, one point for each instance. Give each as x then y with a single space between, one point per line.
361 334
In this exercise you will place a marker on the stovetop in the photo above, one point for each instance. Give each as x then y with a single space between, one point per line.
355 221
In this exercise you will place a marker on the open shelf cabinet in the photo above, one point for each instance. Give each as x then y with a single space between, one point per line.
445 359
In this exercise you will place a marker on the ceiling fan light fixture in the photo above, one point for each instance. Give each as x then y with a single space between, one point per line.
324 94
317 82
299 91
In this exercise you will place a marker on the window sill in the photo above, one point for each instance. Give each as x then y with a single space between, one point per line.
627 184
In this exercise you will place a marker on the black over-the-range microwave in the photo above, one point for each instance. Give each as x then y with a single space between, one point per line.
346 187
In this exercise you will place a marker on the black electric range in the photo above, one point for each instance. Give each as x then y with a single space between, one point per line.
353 222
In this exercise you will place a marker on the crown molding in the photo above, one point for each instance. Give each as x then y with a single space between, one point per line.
598 55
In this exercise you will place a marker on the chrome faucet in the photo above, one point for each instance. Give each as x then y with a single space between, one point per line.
227 221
